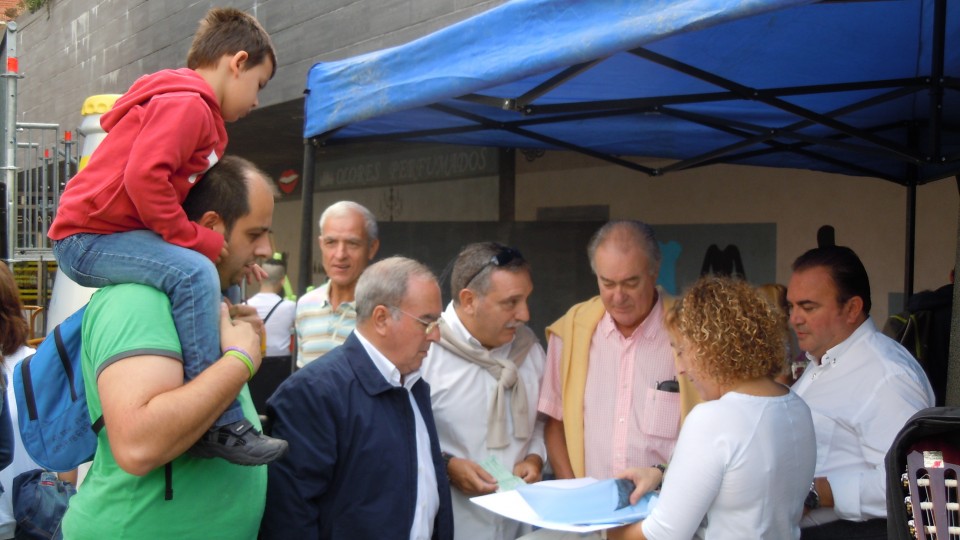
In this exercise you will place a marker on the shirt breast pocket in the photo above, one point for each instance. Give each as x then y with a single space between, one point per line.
661 413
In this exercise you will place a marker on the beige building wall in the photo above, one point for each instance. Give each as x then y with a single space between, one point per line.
868 214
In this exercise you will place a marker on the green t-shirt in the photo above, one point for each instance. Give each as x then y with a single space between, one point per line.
211 497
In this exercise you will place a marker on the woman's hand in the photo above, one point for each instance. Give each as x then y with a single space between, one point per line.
646 479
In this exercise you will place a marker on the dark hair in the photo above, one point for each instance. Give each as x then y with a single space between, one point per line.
227 31
224 189
275 262
844 267
13 326
474 266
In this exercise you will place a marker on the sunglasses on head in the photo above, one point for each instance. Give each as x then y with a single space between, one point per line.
504 256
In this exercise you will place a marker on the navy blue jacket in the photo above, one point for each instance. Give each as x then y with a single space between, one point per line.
351 471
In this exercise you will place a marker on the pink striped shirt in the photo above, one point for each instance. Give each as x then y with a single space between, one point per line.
628 422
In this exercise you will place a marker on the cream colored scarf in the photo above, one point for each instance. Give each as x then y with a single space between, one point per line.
507 374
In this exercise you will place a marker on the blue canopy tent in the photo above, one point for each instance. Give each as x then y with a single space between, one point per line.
865 88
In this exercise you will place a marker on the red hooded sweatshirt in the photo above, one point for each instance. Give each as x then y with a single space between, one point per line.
162 135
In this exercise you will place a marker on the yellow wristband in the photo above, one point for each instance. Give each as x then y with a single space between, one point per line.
236 353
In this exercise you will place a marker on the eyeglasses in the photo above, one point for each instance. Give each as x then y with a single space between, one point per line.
428 326
505 256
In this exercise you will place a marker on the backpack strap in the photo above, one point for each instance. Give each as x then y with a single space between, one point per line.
168 474
65 360
275 306
29 397
68 369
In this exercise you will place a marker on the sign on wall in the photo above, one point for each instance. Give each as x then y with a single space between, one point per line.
413 164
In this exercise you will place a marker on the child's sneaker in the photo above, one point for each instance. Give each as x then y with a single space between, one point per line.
239 443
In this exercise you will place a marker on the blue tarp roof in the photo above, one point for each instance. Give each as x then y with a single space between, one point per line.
865 88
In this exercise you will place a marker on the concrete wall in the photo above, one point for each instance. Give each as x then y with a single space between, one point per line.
72 49
868 214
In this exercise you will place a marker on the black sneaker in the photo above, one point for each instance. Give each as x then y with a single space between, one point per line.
239 443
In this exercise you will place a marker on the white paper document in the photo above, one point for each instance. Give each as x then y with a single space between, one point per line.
513 505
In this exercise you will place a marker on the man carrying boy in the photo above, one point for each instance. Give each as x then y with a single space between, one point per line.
134 378
120 219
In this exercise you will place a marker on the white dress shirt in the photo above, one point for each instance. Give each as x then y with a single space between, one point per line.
462 392
861 393
428 498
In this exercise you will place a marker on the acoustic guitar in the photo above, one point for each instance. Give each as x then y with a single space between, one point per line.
932 501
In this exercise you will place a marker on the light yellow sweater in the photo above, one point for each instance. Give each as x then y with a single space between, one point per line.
576 330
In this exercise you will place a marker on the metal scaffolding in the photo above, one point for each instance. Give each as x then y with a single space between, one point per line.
36 162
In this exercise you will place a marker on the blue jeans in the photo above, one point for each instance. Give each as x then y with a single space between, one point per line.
39 502
188 278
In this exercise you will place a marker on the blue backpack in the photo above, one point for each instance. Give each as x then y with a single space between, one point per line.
52 401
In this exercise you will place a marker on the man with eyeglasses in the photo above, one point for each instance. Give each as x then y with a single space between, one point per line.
364 458
610 387
484 384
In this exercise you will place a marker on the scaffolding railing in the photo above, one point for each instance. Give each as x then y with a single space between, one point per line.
35 164
43 163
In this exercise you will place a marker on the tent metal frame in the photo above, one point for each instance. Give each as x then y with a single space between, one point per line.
844 135
919 162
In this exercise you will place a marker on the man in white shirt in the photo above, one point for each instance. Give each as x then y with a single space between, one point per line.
861 387
278 316
276 311
484 384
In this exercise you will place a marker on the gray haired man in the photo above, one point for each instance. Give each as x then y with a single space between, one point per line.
484 384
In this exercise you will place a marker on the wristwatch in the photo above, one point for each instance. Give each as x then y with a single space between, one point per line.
446 458
813 497
663 471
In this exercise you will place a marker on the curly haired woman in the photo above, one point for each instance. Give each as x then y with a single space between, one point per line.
745 457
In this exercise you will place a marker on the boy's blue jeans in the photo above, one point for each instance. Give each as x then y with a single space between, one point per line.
188 278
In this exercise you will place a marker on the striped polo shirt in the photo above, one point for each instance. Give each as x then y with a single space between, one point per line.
321 327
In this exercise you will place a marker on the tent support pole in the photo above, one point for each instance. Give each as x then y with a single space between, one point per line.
913 175
508 185
953 362
911 240
306 216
